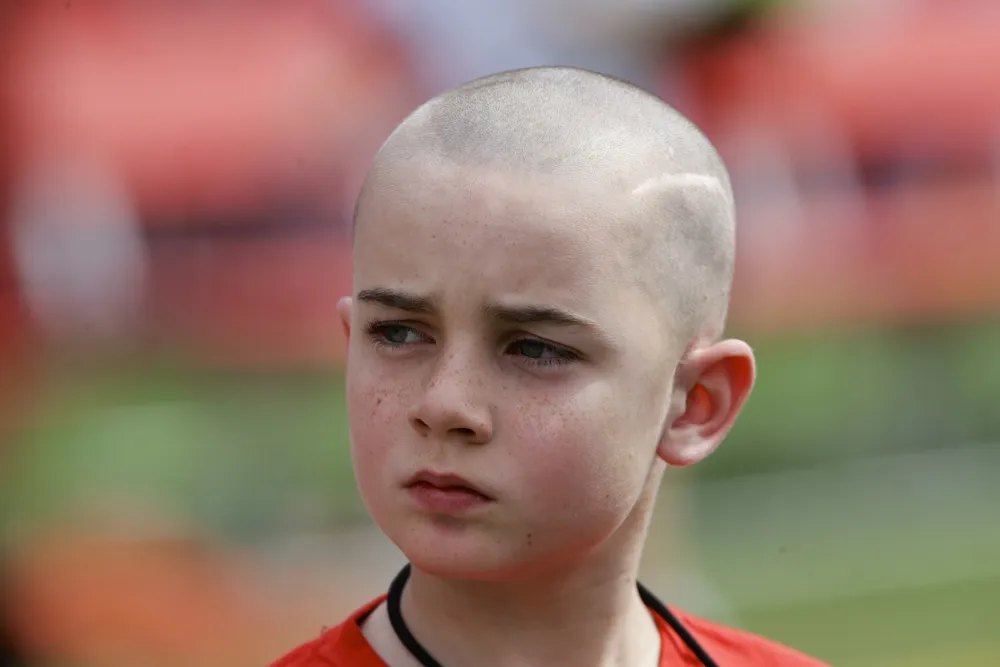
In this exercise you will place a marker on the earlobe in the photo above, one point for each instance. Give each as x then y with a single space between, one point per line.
719 380
344 308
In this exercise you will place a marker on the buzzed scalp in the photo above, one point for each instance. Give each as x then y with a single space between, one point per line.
561 121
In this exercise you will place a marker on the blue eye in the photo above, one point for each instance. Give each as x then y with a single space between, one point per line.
529 351
540 353
395 335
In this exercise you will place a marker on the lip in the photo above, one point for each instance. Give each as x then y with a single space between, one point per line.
446 482
446 493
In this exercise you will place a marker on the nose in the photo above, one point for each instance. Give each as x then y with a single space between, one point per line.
449 407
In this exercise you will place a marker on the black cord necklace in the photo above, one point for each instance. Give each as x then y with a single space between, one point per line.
417 650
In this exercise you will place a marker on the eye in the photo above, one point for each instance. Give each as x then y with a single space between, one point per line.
395 335
539 353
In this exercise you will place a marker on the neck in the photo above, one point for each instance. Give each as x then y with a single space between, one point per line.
601 623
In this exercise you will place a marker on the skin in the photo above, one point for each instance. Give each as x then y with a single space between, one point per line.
567 427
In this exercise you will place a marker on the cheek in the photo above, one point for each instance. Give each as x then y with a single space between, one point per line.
582 461
374 413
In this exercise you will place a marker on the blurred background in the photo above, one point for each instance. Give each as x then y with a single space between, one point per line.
177 180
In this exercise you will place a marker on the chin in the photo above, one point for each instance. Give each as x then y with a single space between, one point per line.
457 552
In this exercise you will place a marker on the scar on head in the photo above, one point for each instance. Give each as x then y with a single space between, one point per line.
680 180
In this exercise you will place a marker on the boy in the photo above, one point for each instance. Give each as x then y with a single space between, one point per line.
543 261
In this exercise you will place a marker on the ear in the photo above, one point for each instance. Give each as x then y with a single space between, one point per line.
711 386
344 308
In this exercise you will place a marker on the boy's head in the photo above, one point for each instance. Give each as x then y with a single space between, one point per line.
542 266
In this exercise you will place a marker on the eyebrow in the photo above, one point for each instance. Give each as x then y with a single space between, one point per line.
399 300
415 303
535 315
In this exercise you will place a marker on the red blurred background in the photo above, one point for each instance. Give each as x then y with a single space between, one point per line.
178 181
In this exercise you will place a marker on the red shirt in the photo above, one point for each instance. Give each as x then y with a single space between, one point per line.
346 646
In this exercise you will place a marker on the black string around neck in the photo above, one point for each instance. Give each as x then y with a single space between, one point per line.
423 656
406 638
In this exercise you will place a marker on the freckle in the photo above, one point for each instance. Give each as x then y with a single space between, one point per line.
529 539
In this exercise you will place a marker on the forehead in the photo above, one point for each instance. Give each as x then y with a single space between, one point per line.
440 226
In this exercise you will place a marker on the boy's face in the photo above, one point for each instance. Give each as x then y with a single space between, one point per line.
497 334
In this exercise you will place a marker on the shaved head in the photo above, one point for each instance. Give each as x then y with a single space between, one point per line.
664 188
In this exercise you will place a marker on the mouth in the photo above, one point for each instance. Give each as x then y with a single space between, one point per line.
446 483
447 495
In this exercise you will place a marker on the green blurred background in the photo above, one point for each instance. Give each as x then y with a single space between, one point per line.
851 514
